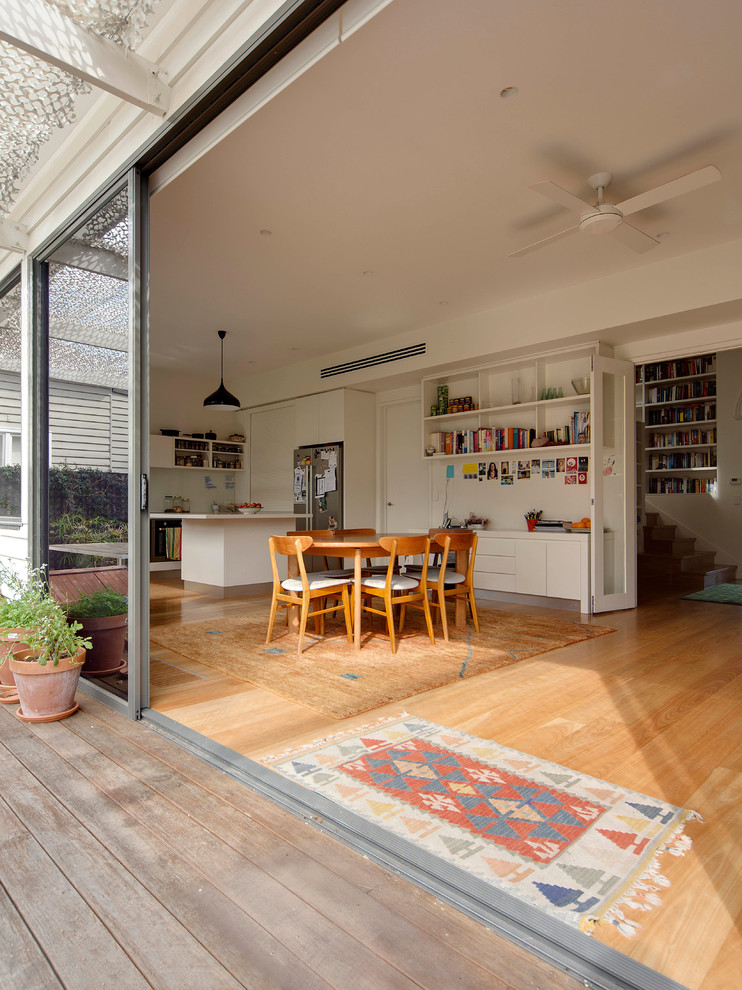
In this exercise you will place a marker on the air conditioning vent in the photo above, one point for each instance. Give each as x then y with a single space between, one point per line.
369 362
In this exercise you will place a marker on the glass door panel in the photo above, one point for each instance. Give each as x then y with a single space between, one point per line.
613 541
89 319
11 448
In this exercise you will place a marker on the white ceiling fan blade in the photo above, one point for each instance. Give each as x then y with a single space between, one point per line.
634 238
542 243
558 195
676 187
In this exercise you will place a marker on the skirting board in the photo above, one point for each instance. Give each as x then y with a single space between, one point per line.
565 604
233 591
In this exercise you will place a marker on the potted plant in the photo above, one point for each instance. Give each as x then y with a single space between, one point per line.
475 521
20 605
46 664
102 616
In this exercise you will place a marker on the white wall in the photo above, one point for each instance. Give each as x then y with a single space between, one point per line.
176 402
506 505
624 311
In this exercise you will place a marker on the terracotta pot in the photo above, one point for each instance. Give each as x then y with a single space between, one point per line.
8 639
107 634
46 693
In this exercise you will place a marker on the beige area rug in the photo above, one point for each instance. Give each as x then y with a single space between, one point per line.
330 677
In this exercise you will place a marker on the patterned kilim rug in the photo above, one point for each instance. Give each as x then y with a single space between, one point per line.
726 594
578 848
330 677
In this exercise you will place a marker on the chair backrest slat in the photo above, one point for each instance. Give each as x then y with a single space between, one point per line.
406 546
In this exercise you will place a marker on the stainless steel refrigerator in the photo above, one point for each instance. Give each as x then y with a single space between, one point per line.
318 486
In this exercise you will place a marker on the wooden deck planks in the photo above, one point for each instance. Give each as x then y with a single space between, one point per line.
162 872
22 963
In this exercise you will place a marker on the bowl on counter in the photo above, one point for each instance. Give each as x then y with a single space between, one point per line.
249 510
581 385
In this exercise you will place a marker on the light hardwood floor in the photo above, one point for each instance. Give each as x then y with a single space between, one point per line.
656 706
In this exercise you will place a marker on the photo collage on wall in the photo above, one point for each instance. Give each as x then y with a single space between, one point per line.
571 470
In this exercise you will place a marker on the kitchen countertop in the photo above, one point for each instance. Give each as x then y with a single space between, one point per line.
548 533
264 514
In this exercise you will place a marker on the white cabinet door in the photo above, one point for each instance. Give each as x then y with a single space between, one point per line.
161 452
332 416
320 418
530 567
306 420
563 570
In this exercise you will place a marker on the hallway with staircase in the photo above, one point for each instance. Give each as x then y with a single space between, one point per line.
673 558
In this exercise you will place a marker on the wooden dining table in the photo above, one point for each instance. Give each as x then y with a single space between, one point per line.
359 548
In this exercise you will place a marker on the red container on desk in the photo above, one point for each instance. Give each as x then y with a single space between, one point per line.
531 523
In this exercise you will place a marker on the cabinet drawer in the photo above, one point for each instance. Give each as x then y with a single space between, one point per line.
495 565
495 548
495 582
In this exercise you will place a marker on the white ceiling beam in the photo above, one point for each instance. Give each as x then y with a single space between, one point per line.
91 259
13 239
45 33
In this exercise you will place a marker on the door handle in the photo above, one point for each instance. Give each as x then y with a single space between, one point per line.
390 503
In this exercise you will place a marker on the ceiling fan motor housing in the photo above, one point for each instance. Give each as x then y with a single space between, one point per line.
602 220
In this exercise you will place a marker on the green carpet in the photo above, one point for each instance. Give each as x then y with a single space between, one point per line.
726 594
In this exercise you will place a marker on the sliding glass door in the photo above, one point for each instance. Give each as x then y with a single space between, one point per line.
93 409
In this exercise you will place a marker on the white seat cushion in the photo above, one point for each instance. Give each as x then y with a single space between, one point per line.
451 577
400 582
315 583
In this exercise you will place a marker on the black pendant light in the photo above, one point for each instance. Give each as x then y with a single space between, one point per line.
222 399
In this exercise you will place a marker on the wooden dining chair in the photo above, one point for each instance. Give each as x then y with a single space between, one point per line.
446 583
436 550
316 534
299 592
399 589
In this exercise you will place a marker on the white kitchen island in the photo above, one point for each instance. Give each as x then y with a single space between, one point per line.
226 554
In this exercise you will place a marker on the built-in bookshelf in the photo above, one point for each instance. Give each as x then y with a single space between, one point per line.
678 403
509 406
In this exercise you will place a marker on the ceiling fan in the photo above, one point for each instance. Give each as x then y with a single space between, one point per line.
607 218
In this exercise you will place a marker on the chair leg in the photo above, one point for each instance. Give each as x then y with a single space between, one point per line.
428 619
346 610
402 614
303 624
272 619
473 607
319 619
442 610
390 621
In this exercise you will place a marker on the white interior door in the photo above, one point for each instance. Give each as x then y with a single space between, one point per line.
613 541
406 475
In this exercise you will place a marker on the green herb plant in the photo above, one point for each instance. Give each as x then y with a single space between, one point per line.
28 604
100 603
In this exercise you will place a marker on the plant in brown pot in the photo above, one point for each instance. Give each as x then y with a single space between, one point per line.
21 601
103 617
46 666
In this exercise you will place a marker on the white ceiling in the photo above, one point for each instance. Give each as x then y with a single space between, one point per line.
394 178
